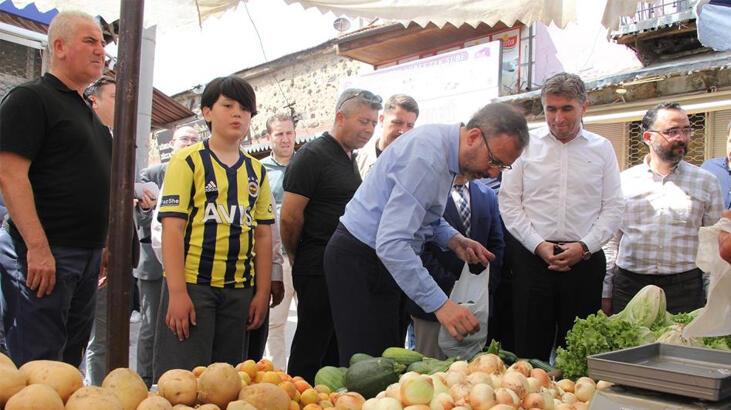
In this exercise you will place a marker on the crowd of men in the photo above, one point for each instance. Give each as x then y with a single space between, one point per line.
375 230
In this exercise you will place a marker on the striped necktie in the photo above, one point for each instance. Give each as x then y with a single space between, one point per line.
463 207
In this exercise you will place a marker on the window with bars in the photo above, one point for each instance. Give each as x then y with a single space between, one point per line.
637 149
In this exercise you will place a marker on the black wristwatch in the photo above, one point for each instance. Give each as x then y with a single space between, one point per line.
587 252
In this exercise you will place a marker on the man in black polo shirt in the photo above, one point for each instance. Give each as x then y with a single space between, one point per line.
319 181
55 158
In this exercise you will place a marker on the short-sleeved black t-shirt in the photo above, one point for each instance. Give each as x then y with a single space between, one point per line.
70 152
322 172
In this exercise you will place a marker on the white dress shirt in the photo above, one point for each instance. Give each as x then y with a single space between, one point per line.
659 230
563 192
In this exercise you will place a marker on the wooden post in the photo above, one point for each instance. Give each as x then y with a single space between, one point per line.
123 168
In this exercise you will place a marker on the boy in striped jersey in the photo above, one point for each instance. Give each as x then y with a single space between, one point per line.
216 213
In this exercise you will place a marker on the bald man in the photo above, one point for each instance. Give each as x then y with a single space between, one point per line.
149 270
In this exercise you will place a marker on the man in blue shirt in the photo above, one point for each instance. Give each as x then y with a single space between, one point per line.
373 256
720 168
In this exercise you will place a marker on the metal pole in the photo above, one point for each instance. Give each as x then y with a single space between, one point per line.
123 168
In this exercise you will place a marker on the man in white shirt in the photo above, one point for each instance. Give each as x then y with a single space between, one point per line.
399 115
668 200
560 203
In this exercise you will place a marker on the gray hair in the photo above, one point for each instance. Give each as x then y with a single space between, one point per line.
565 85
184 130
404 101
501 118
63 25
355 96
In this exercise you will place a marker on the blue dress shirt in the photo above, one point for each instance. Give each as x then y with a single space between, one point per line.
400 204
719 168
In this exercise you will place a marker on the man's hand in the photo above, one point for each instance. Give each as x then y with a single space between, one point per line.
258 310
277 293
148 200
458 320
572 254
607 306
181 314
41 270
470 251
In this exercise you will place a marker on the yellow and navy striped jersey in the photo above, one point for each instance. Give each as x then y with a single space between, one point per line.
222 206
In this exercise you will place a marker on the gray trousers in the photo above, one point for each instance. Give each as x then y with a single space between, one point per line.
150 291
426 333
96 350
221 315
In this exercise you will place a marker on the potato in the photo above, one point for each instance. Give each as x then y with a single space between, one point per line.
35 397
178 387
127 385
265 396
240 405
92 397
182 407
6 361
155 403
209 406
63 377
220 384
11 382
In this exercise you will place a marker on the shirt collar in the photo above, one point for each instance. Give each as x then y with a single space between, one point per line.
453 150
677 169
274 161
54 82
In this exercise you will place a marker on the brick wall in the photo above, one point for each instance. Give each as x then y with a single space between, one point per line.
18 64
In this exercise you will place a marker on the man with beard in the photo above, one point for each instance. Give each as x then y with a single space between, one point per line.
560 203
667 200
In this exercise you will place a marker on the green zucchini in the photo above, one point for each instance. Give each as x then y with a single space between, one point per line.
541 365
403 356
508 357
358 357
371 376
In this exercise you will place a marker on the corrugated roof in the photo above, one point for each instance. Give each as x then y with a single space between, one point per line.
267 146
31 25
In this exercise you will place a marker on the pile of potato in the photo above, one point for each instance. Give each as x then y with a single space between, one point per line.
51 385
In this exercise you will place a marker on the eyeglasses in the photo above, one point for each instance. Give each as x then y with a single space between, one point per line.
491 157
363 94
676 132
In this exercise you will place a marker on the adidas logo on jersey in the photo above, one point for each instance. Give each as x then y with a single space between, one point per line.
211 187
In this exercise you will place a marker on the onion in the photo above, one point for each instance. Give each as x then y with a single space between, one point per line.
459 391
601 385
534 400
478 378
569 398
488 363
394 391
441 401
455 378
481 397
581 406
584 390
560 406
506 396
502 407
417 390
542 377
497 380
566 385
458 366
381 395
439 384
516 382
534 386
586 380
408 375
388 403
417 407
522 366
548 401
371 404
350 400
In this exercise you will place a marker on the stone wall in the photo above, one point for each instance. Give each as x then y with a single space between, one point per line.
18 64
310 80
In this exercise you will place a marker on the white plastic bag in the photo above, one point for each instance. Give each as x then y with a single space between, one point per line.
470 291
715 318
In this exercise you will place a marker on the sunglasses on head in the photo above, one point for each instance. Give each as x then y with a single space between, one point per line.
363 94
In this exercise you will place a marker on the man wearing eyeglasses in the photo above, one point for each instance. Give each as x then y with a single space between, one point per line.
721 168
372 260
320 180
149 270
560 203
668 200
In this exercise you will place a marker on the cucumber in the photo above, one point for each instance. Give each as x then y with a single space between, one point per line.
508 357
541 365
358 357
371 376
403 356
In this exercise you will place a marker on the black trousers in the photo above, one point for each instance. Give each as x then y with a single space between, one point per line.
683 291
256 341
367 304
314 344
546 302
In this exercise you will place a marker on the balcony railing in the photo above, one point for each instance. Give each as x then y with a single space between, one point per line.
651 16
